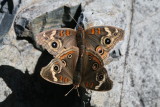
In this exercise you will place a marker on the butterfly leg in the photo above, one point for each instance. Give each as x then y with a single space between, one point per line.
74 87
69 91
78 92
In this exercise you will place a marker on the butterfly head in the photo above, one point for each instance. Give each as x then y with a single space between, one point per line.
80 28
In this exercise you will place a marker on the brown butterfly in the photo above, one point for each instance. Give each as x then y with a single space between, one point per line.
79 55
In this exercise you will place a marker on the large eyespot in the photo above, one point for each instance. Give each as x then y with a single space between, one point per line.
95 66
107 41
99 77
69 56
54 44
56 68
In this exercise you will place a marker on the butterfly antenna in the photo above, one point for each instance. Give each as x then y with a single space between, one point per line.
81 18
73 18
69 91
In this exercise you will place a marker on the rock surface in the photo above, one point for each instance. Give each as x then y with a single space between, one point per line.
135 75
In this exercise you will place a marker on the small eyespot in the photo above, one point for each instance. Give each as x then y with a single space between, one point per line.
89 58
106 33
54 44
115 34
95 66
69 56
100 77
100 50
64 62
45 38
56 68
107 41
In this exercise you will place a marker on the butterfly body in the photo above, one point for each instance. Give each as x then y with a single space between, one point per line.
79 66
79 55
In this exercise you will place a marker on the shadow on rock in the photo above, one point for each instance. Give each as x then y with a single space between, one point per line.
33 91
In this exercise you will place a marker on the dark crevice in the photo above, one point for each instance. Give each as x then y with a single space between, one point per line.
115 53
68 21
30 40
141 100
20 1
132 80
10 6
119 52
19 29
43 23
128 48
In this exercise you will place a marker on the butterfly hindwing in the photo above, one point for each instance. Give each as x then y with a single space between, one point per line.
60 70
95 76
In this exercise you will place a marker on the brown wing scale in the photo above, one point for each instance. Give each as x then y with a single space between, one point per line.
56 40
95 76
103 38
60 70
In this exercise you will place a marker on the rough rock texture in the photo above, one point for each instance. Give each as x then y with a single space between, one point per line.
135 75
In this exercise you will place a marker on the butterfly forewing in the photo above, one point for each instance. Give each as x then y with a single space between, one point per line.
56 40
103 38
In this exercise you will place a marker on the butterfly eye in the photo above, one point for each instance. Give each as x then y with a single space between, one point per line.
56 68
100 77
69 56
54 44
107 41
95 66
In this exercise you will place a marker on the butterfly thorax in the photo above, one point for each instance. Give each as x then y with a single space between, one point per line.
82 49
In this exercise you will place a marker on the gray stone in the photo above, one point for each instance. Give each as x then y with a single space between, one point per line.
29 28
135 74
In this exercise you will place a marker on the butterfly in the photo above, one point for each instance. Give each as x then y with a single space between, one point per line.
79 55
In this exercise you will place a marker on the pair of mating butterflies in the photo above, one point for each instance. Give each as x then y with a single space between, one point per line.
79 55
